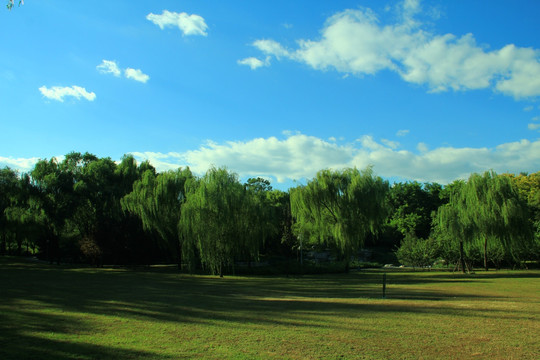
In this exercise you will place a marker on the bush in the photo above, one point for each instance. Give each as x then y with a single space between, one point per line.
417 252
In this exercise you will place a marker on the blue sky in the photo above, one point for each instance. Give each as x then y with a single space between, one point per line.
427 91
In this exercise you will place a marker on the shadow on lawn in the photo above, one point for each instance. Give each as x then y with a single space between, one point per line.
173 297
22 336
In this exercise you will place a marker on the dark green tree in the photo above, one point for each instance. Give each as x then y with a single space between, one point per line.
8 192
217 220
412 205
487 208
340 208
157 200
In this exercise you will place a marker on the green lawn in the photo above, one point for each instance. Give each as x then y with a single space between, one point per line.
62 312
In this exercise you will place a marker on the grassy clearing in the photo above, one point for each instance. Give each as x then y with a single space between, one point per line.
83 313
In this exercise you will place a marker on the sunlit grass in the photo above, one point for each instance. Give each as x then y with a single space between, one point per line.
84 313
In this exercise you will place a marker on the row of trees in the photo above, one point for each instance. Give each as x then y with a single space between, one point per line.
489 218
92 209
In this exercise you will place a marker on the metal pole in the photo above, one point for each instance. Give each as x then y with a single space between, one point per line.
384 286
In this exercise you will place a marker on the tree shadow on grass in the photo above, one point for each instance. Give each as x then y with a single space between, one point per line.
25 334
182 299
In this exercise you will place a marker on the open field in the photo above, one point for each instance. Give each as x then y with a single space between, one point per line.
62 312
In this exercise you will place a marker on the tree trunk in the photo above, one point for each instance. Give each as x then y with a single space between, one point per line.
179 254
462 257
485 254
3 246
18 239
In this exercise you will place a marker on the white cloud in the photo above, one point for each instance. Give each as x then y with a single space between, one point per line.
136 75
59 93
536 118
354 41
254 63
162 162
188 24
422 147
20 164
299 156
271 47
391 144
532 126
528 108
109 67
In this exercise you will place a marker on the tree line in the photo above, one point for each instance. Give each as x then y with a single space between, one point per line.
95 210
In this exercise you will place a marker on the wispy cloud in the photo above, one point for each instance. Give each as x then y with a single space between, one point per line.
59 93
355 41
188 24
402 133
109 67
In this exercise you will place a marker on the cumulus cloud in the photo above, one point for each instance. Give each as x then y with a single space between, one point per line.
300 156
162 162
533 126
109 67
355 41
254 63
59 93
136 75
188 24
422 147
20 164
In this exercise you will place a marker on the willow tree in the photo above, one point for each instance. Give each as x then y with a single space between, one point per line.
487 208
8 189
216 219
340 208
157 200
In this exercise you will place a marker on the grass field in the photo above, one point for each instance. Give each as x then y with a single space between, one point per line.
60 312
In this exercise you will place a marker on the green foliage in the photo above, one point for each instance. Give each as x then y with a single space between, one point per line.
528 186
340 208
220 219
417 252
157 200
412 205
487 208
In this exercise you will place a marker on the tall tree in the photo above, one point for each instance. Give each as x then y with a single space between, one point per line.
487 208
158 200
412 205
55 197
8 190
216 220
528 186
340 207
